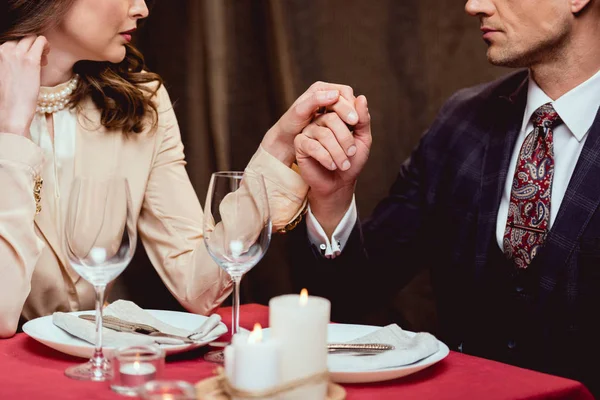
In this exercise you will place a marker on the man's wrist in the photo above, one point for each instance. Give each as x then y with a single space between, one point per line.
330 209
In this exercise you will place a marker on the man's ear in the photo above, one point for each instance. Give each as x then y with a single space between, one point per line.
578 6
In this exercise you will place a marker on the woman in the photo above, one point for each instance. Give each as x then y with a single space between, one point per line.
97 113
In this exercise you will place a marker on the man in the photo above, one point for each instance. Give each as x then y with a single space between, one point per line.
500 199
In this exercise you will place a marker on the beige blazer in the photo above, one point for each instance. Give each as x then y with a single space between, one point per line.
36 278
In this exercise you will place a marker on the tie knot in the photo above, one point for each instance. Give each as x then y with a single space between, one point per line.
546 117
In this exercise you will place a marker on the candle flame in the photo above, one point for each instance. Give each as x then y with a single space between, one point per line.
256 334
303 297
136 365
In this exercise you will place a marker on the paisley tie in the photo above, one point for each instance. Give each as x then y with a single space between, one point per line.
529 209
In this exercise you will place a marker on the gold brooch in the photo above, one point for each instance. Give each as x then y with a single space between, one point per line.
37 193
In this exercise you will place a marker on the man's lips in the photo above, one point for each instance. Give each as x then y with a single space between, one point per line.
488 32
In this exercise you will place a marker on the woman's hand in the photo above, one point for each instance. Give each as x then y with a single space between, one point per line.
20 68
279 140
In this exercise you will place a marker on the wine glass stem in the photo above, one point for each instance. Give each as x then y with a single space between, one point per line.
98 359
235 318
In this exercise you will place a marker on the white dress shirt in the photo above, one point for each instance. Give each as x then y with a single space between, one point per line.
577 108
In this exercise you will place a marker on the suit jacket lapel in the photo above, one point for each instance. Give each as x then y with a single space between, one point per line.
505 123
581 200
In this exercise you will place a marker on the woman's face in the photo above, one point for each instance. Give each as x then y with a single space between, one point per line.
97 30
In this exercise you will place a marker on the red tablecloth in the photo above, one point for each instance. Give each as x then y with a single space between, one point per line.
29 370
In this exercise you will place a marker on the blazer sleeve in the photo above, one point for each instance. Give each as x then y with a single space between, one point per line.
170 223
20 247
380 257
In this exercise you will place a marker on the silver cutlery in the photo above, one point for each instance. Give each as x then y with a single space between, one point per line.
363 348
121 325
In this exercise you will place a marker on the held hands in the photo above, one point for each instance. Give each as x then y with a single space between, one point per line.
279 140
330 158
20 68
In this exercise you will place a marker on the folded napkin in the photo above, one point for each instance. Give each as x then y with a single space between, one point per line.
408 350
130 312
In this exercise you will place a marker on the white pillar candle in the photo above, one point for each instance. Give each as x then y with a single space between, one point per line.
299 324
255 362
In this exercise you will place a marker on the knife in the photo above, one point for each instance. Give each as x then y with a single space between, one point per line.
340 347
121 325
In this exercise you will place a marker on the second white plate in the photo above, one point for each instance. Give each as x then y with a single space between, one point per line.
337 333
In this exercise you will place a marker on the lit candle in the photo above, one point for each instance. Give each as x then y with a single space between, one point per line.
299 323
136 373
255 362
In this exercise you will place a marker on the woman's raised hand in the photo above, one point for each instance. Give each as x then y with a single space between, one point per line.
20 68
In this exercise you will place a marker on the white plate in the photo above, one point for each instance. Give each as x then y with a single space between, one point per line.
44 331
337 333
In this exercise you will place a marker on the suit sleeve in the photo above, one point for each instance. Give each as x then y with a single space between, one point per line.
20 247
381 254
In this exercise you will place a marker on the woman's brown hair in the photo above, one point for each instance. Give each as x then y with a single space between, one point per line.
123 92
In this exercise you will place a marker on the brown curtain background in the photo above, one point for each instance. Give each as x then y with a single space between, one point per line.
233 67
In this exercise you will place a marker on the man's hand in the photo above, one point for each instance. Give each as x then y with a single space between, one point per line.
279 140
321 152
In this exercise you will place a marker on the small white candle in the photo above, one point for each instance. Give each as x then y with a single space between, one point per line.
299 323
255 362
136 373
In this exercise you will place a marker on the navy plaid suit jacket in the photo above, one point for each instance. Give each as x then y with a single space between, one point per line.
441 213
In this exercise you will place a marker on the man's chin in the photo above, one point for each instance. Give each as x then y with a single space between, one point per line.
500 58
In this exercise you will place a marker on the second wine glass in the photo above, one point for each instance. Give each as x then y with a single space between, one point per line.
237 230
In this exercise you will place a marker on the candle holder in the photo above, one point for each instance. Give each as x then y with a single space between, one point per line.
219 388
134 366
167 390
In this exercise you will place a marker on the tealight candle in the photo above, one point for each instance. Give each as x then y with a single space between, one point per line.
167 390
255 362
299 323
136 373
134 366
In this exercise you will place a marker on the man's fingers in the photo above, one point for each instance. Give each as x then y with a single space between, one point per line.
363 128
327 138
308 147
345 110
342 134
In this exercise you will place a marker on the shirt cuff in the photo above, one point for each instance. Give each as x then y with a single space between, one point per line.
285 187
331 248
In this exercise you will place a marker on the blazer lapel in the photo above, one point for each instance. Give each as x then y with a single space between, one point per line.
505 124
581 200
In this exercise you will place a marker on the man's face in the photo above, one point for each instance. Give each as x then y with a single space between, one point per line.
522 33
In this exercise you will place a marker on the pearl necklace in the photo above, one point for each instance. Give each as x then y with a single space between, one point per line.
55 99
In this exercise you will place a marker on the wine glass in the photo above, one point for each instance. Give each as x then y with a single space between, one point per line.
100 239
237 230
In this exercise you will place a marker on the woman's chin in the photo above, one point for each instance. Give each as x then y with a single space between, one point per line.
117 56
